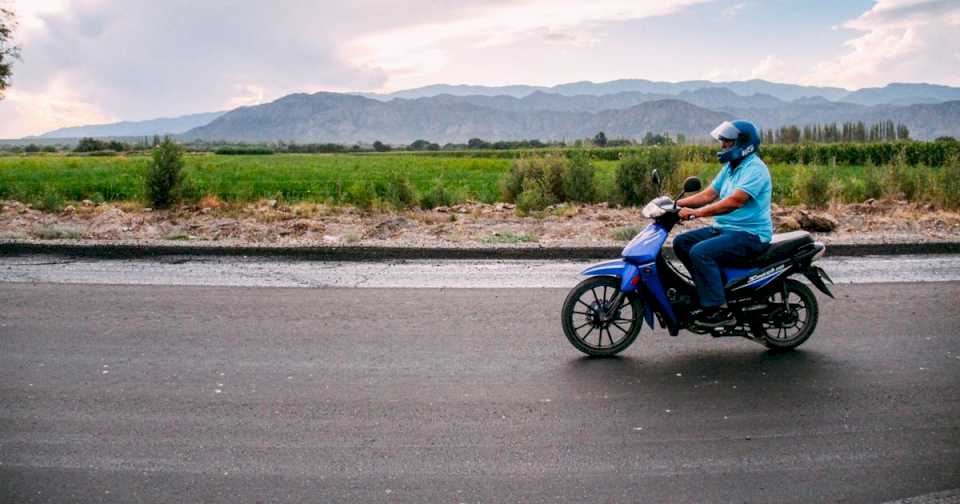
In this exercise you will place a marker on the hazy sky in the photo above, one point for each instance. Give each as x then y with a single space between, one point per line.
93 61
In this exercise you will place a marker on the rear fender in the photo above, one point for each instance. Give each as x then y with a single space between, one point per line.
816 275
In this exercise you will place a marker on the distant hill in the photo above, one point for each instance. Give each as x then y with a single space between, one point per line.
345 118
168 126
903 94
443 113
784 92
332 117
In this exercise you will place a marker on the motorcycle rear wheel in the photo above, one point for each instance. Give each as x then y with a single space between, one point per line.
788 329
584 326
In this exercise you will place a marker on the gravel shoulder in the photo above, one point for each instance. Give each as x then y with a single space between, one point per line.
268 223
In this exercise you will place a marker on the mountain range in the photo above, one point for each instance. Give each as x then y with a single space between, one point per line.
165 125
623 108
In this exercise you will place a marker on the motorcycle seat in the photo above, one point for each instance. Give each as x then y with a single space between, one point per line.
784 245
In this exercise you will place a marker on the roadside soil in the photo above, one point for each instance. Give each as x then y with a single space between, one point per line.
268 222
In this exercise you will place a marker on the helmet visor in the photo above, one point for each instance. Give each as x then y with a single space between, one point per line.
725 131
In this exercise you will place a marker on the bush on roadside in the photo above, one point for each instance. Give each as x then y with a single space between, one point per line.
814 186
50 200
633 178
578 179
547 171
163 174
533 198
361 194
554 170
873 184
399 192
439 195
948 184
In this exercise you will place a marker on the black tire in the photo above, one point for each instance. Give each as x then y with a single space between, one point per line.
581 321
786 331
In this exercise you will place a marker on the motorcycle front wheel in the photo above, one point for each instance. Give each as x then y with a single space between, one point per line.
585 325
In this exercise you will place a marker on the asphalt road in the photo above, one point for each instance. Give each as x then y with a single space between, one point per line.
240 394
523 274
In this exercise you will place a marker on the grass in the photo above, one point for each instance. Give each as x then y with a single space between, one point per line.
178 235
57 233
626 233
510 238
48 182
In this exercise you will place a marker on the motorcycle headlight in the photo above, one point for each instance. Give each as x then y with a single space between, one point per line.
656 208
652 211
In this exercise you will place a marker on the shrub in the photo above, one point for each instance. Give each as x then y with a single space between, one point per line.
873 184
440 195
533 198
361 194
578 180
554 167
948 184
49 201
633 178
814 187
511 184
163 174
545 171
399 192
549 171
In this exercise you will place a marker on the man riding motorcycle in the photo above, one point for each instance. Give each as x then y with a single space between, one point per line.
739 199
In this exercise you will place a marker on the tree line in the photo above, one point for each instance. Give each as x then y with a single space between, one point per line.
848 132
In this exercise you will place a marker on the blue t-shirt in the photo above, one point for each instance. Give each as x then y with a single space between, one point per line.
752 177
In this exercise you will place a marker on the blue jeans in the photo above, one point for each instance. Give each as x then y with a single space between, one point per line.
702 251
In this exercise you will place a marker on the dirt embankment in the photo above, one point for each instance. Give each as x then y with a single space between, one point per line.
468 225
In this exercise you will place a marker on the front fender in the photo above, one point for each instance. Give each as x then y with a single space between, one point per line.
628 274
609 268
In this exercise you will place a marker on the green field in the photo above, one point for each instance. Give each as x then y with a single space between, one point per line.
290 177
334 178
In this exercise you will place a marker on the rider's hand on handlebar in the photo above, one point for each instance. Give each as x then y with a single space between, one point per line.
688 214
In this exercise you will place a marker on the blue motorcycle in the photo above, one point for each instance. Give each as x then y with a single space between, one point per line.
604 313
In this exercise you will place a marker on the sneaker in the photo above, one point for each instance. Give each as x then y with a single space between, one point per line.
716 318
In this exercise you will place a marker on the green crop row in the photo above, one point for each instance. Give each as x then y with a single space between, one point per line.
415 180
911 153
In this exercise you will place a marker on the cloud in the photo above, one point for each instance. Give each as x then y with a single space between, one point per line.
734 10
49 109
492 25
770 68
144 59
898 41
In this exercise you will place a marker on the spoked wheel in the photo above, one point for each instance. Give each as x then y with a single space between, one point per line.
790 324
588 323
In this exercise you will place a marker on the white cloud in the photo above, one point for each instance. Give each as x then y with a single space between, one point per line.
734 10
28 112
144 59
770 68
899 41
570 22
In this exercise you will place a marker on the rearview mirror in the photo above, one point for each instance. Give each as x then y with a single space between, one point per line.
692 184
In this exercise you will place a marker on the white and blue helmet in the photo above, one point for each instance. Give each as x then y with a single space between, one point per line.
746 140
